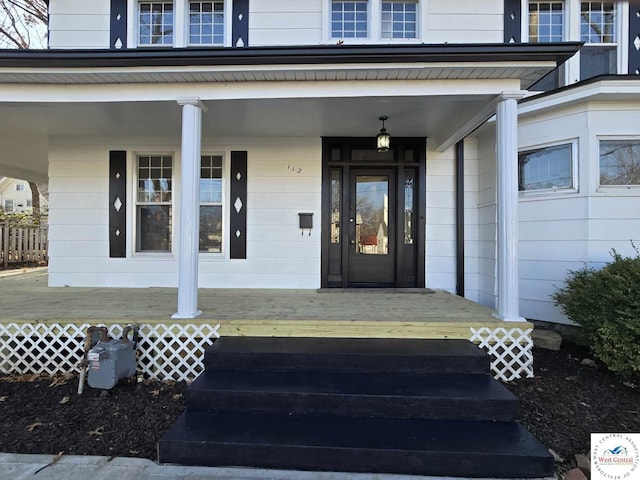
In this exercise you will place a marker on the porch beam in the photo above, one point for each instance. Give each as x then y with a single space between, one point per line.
189 223
507 307
457 131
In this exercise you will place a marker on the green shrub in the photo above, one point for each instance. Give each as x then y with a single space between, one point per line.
606 303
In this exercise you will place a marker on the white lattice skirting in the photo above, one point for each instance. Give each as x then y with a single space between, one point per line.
510 351
166 352
176 351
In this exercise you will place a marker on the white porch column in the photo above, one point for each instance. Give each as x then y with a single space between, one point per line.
507 185
189 225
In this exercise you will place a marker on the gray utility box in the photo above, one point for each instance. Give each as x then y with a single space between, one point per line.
109 362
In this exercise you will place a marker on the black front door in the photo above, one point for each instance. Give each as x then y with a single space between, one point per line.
373 224
372 227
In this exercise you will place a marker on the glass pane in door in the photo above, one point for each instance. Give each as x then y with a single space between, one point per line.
372 214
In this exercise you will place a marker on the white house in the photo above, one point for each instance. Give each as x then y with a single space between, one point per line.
182 139
16 197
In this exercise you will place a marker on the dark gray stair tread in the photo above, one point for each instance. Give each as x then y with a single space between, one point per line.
355 354
410 446
460 396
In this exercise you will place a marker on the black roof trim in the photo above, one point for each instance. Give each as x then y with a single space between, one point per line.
588 81
320 54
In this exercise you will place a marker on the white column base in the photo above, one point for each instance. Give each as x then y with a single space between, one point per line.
180 315
508 319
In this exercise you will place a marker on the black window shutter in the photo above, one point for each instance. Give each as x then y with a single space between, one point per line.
238 208
117 204
512 21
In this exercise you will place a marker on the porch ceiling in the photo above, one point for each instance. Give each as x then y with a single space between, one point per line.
26 130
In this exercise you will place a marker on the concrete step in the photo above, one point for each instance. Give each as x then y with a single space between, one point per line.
356 444
381 355
452 396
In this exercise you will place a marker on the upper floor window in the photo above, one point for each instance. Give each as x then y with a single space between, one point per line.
598 31
349 19
547 168
620 162
20 187
206 23
399 19
155 23
546 21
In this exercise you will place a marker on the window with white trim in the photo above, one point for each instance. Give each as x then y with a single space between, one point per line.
620 162
9 206
206 23
399 19
20 187
211 195
547 168
154 203
29 203
598 30
349 19
546 21
155 23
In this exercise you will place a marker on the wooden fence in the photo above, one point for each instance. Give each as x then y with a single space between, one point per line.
23 244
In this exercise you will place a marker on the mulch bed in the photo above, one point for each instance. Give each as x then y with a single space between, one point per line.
562 405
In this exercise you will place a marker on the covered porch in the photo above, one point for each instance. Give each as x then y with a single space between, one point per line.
35 318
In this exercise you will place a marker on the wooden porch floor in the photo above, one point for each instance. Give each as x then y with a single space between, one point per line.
410 313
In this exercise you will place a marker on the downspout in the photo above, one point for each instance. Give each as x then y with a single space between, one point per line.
460 218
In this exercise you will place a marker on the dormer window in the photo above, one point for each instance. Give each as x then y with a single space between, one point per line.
206 23
155 23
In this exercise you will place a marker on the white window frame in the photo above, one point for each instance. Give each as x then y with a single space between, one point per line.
133 201
618 189
136 32
225 206
20 187
13 205
374 26
554 191
180 27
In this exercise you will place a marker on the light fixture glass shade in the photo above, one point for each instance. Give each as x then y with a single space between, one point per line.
383 141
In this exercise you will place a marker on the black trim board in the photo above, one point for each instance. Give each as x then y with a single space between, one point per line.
314 55
117 198
240 24
118 24
634 32
238 219
460 218
512 21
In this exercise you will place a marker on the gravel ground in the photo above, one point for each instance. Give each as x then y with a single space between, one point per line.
562 405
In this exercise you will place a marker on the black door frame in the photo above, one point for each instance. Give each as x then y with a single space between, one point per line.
408 153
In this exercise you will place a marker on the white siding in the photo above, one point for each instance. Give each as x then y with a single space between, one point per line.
440 255
278 256
285 22
79 24
486 205
464 21
561 232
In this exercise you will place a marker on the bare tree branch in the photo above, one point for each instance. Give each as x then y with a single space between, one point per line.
19 20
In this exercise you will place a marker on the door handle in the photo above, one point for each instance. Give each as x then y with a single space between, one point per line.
352 242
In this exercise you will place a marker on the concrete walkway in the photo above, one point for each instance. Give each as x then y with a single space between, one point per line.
20 467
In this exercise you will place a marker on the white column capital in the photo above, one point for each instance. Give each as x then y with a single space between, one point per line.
195 101
513 94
